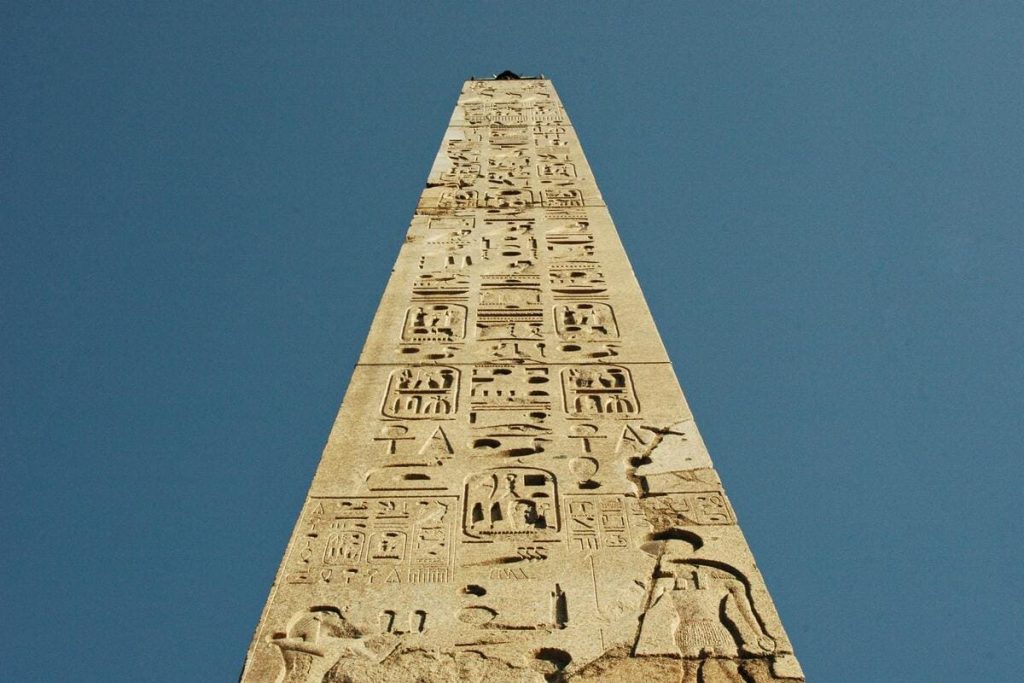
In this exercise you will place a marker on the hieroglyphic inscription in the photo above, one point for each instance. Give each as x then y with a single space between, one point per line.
422 392
577 277
511 501
435 322
585 322
511 392
600 522
681 509
376 540
592 390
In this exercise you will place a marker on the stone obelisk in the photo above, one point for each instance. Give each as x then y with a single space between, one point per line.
514 488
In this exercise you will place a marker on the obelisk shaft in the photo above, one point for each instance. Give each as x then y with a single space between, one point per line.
514 488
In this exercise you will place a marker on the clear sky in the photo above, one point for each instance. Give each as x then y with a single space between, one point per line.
200 204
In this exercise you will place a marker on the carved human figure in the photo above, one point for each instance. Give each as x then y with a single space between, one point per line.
704 614
316 639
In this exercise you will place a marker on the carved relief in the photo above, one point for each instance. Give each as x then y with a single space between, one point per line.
440 284
410 470
497 200
551 136
314 641
509 169
587 435
509 244
454 200
585 321
516 352
573 242
462 172
435 323
452 223
563 197
704 613
603 522
506 113
598 390
422 392
475 114
577 277
463 151
509 115
392 435
448 252
556 169
682 509
369 541
396 478
517 616
510 389
510 502
485 88
511 200
584 469
508 137
567 214
512 439
344 547
510 308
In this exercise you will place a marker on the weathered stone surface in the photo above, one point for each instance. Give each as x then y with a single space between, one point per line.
514 488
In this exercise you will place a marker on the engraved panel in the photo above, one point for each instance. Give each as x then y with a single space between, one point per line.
510 502
509 244
682 509
577 278
459 223
562 197
508 137
510 308
435 322
551 136
572 241
604 522
367 541
422 392
591 390
516 391
585 321
441 284
509 169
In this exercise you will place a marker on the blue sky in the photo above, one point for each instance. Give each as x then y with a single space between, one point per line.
200 204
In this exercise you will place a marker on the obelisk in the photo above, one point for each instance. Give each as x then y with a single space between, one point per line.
514 488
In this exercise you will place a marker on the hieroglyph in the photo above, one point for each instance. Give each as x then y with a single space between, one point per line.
515 489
